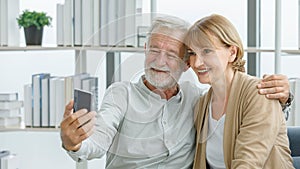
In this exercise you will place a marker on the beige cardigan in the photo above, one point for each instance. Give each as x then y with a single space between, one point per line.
255 134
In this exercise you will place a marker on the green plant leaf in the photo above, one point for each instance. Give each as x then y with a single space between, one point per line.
33 18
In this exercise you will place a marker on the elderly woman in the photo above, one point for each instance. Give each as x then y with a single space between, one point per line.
236 127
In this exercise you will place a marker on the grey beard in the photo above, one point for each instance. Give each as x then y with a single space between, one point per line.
158 82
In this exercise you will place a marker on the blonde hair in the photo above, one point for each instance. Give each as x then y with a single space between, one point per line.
201 32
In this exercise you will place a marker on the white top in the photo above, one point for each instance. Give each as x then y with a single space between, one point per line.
214 145
138 129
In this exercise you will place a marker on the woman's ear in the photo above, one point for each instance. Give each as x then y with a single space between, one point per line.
233 53
187 65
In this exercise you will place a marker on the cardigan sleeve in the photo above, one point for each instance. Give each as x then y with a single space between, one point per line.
260 125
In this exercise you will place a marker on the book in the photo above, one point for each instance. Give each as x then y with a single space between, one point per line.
13 34
96 22
9 27
6 122
77 79
130 23
52 101
91 84
77 22
37 98
68 89
11 104
72 82
8 96
28 105
60 24
87 22
112 14
45 102
68 23
56 102
10 161
60 100
3 23
126 23
103 23
10 113
121 12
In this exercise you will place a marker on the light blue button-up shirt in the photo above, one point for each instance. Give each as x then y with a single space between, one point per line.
138 129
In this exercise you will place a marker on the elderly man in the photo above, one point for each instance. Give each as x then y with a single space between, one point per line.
148 124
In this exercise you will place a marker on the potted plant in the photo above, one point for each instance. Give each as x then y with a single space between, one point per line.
33 24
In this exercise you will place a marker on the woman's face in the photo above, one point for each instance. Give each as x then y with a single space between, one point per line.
210 63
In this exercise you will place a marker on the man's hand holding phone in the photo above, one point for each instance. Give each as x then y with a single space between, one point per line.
76 126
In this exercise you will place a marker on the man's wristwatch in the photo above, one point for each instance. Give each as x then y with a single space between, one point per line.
288 102
286 107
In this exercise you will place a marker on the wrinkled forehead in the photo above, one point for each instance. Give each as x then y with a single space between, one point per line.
158 38
171 34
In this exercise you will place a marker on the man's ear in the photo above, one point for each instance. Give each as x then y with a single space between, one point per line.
233 53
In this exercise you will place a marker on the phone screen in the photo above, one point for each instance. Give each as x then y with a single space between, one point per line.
82 100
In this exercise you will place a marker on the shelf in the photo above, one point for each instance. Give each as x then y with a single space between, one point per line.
107 49
125 49
258 50
283 51
37 129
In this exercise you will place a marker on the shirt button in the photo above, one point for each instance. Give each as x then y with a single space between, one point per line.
164 123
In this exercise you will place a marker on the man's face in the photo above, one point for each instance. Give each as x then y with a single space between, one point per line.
164 64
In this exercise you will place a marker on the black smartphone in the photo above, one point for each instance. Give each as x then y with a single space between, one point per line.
82 100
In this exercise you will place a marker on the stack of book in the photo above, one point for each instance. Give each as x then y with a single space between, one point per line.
45 98
101 22
8 160
9 30
10 110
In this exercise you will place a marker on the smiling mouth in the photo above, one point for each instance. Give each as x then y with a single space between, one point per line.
203 70
160 71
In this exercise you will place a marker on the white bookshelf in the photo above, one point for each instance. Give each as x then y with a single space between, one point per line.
14 136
